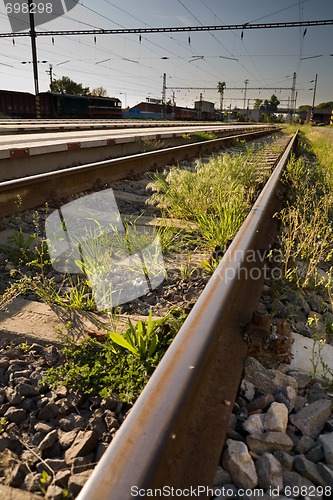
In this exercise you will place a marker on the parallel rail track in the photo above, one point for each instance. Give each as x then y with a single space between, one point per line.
26 126
174 434
23 155
36 190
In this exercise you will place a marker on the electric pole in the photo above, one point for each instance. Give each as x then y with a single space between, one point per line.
314 97
164 96
245 89
293 97
50 73
34 56
220 88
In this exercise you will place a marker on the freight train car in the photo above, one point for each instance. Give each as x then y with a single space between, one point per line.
17 104
63 106
185 113
23 105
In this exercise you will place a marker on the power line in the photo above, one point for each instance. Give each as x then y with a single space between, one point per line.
240 63
231 88
226 27
198 20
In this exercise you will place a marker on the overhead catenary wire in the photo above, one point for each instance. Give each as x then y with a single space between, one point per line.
151 42
244 45
149 29
177 29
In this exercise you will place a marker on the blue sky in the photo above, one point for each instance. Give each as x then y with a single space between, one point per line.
133 70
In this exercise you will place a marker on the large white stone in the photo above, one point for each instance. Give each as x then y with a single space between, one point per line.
255 423
308 355
276 418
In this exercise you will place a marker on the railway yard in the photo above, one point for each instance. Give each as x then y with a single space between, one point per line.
204 369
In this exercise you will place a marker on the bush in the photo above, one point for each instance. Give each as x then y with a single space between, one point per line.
109 367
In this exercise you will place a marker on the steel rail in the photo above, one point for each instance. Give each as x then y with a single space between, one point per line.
174 434
35 190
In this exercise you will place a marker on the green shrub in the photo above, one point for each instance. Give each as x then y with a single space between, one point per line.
120 364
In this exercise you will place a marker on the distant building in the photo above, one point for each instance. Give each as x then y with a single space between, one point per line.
147 110
205 109
153 100
251 115
319 115
206 106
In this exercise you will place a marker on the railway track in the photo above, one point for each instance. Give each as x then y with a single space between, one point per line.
26 126
167 438
23 155
35 190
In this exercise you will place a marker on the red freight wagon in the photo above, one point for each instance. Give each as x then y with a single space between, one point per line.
17 104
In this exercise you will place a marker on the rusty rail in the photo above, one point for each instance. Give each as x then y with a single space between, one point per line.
36 190
174 434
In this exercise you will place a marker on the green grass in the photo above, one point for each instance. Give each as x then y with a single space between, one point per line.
121 364
307 218
216 196
204 136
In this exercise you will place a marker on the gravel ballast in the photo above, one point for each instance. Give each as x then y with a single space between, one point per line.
50 440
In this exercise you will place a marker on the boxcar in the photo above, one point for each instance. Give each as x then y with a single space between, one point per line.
17 104
185 113
23 105
69 106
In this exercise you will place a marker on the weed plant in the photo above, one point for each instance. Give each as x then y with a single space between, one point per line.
33 272
203 136
71 292
306 248
307 237
120 364
146 145
19 248
216 196
307 219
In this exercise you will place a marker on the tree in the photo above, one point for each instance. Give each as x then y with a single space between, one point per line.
99 92
274 101
257 103
324 105
67 86
269 107
304 108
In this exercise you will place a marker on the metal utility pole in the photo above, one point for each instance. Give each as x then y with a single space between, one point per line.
293 97
220 88
50 73
245 89
200 106
314 97
34 56
164 96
